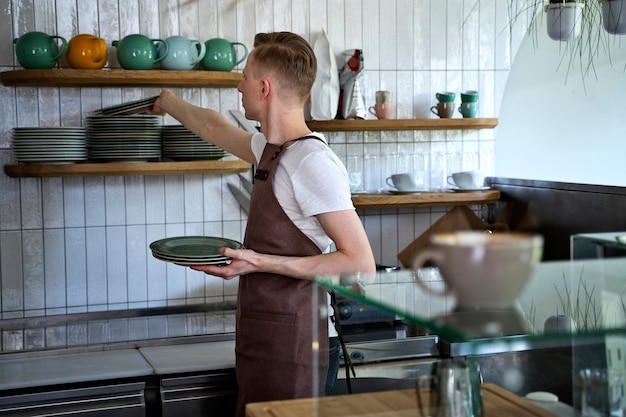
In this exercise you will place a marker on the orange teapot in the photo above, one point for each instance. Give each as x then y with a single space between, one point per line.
86 52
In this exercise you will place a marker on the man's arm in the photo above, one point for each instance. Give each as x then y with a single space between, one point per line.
353 253
208 124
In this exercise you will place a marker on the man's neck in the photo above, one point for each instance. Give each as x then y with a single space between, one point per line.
285 127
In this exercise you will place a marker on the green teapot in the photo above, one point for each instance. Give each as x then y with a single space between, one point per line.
38 50
221 55
138 52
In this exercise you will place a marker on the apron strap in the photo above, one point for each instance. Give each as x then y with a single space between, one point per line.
346 358
263 174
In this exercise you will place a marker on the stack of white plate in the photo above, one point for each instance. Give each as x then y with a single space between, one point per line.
193 250
50 145
180 144
124 138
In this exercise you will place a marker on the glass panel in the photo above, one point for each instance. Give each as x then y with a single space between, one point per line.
569 317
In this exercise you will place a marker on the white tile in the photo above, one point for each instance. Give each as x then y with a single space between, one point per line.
87 10
487 32
174 199
135 200
137 252
193 198
94 201
155 199
421 34
10 207
73 202
33 267
76 266
54 264
97 285
404 34
6 26
454 38
117 279
12 279
114 196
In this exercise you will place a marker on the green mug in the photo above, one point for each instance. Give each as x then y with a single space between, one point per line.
469 110
221 55
38 50
446 97
138 52
469 96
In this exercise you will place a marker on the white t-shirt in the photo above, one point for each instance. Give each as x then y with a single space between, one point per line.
309 180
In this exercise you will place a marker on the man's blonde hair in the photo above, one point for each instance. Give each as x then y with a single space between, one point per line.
289 57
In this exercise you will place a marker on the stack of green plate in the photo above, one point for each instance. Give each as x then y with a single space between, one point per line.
193 250
50 145
180 144
124 138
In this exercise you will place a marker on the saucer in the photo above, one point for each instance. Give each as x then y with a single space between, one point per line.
468 190
403 192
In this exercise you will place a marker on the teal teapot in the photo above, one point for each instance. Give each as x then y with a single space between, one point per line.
138 52
37 50
221 55
184 54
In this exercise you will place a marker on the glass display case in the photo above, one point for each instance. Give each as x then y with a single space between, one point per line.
569 317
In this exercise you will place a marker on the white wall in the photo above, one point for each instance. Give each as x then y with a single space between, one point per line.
556 125
72 245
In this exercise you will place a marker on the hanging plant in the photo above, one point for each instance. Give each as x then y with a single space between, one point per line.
614 16
576 24
564 19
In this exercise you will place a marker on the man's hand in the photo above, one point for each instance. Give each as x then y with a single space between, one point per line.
242 263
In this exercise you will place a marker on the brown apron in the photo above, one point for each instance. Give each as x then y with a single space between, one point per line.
274 330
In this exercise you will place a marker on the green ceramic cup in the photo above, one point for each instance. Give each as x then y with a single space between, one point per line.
469 110
469 96
37 50
445 97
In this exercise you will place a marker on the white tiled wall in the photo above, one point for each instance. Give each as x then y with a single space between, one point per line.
71 245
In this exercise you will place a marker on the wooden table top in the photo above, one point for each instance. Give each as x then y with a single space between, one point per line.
497 402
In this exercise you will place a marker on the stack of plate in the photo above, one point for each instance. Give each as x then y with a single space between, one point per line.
193 250
124 138
50 145
179 144
132 107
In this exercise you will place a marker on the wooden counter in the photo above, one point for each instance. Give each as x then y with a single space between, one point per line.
388 200
497 402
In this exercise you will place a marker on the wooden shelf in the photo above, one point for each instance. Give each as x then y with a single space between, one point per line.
367 201
119 77
124 168
401 124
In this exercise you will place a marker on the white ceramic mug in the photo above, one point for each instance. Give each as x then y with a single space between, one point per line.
482 270
466 180
410 181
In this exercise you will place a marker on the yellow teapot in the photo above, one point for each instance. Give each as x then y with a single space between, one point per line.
87 52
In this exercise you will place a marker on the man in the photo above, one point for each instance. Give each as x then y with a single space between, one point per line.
300 206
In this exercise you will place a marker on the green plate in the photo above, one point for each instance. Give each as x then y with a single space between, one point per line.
193 247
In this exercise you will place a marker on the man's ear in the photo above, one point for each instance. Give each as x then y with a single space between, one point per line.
266 87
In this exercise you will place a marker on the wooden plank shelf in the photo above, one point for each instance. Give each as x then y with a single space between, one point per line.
119 77
385 200
401 124
125 168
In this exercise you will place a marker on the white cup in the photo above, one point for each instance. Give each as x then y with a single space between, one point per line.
409 181
466 180
483 270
